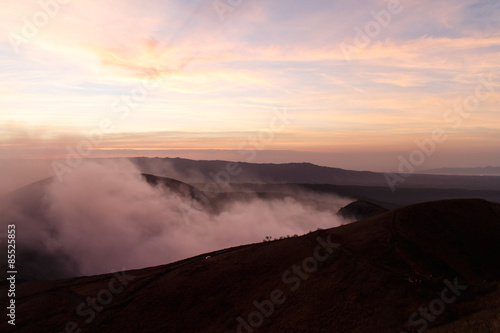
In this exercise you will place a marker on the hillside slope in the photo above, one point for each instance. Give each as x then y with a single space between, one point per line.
368 276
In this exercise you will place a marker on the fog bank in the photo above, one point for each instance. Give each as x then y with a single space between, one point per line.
104 216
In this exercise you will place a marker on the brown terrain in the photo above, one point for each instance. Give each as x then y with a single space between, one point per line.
431 266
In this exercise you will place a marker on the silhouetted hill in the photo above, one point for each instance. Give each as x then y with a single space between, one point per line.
361 209
178 187
369 276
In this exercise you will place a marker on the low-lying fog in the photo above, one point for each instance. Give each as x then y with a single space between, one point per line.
104 216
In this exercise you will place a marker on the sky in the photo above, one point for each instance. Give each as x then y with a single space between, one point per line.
353 84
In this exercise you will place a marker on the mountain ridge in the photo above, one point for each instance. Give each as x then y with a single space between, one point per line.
302 173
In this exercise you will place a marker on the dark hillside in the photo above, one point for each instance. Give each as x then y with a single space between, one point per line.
380 271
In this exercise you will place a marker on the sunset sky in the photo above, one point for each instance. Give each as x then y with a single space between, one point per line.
200 79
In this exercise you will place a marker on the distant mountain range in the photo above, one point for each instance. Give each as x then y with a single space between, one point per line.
193 171
478 171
